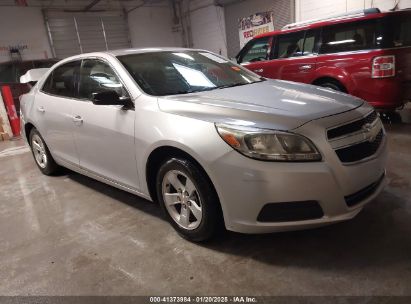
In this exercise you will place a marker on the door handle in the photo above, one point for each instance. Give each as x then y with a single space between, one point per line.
78 120
41 109
259 70
306 67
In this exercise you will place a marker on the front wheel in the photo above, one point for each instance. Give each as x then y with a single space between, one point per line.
41 153
188 199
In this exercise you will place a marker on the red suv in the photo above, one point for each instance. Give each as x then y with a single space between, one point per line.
366 54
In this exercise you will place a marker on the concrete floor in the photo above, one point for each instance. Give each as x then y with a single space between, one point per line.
71 235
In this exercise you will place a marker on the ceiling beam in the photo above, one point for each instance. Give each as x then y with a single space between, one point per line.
91 4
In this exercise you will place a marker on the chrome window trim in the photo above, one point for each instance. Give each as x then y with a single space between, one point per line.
81 62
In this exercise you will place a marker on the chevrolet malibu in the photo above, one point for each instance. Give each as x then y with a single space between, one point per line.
215 144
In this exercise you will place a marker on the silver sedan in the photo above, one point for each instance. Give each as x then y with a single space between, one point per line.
215 144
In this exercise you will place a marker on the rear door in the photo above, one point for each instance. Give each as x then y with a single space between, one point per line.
104 135
53 111
294 56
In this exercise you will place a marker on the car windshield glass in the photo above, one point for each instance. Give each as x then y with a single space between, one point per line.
182 72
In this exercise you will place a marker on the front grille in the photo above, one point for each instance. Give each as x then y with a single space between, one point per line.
351 127
358 197
290 211
360 151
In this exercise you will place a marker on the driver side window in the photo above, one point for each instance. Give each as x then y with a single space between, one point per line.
258 50
97 76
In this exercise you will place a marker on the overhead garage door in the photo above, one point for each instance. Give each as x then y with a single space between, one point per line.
74 33
233 10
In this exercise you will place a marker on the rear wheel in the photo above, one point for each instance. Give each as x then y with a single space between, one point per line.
188 199
334 85
41 153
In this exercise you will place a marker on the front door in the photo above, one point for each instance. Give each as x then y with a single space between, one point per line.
104 134
294 57
255 55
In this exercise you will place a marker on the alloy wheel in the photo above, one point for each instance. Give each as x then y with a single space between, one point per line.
39 151
182 199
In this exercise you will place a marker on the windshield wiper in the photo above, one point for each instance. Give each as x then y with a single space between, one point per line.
237 84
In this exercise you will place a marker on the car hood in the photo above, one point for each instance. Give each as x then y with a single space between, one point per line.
275 104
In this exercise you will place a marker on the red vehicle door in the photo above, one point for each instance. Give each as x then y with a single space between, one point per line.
255 55
292 57
295 56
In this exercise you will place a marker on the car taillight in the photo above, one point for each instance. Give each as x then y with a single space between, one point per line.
383 66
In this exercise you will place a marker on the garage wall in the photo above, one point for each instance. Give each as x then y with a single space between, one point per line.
205 25
313 9
24 27
153 27
283 14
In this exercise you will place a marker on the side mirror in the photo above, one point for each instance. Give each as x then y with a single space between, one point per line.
107 98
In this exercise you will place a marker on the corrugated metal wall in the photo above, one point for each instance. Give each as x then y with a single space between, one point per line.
284 11
74 33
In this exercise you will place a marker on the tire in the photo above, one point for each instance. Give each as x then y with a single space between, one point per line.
41 153
193 209
333 85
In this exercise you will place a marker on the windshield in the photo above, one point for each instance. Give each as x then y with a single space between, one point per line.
182 72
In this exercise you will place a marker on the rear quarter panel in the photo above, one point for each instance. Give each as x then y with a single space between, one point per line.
353 70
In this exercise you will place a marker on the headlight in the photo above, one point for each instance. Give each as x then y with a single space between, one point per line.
268 145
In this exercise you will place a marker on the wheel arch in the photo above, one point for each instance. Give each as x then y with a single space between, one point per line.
325 79
336 74
27 129
158 156
162 153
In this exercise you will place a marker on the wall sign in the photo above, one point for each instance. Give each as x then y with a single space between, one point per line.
254 25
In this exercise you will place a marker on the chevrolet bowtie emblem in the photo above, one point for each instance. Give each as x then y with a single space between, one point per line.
369 132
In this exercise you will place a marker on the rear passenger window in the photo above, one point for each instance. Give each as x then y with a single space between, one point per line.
309 43
290 45
402 31
348 37
256 50
63 80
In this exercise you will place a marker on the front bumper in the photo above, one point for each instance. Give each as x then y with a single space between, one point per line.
245 186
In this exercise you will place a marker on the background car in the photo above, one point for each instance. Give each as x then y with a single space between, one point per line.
364 54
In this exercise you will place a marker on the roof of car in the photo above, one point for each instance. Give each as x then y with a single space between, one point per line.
147 50
321 23
130 51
